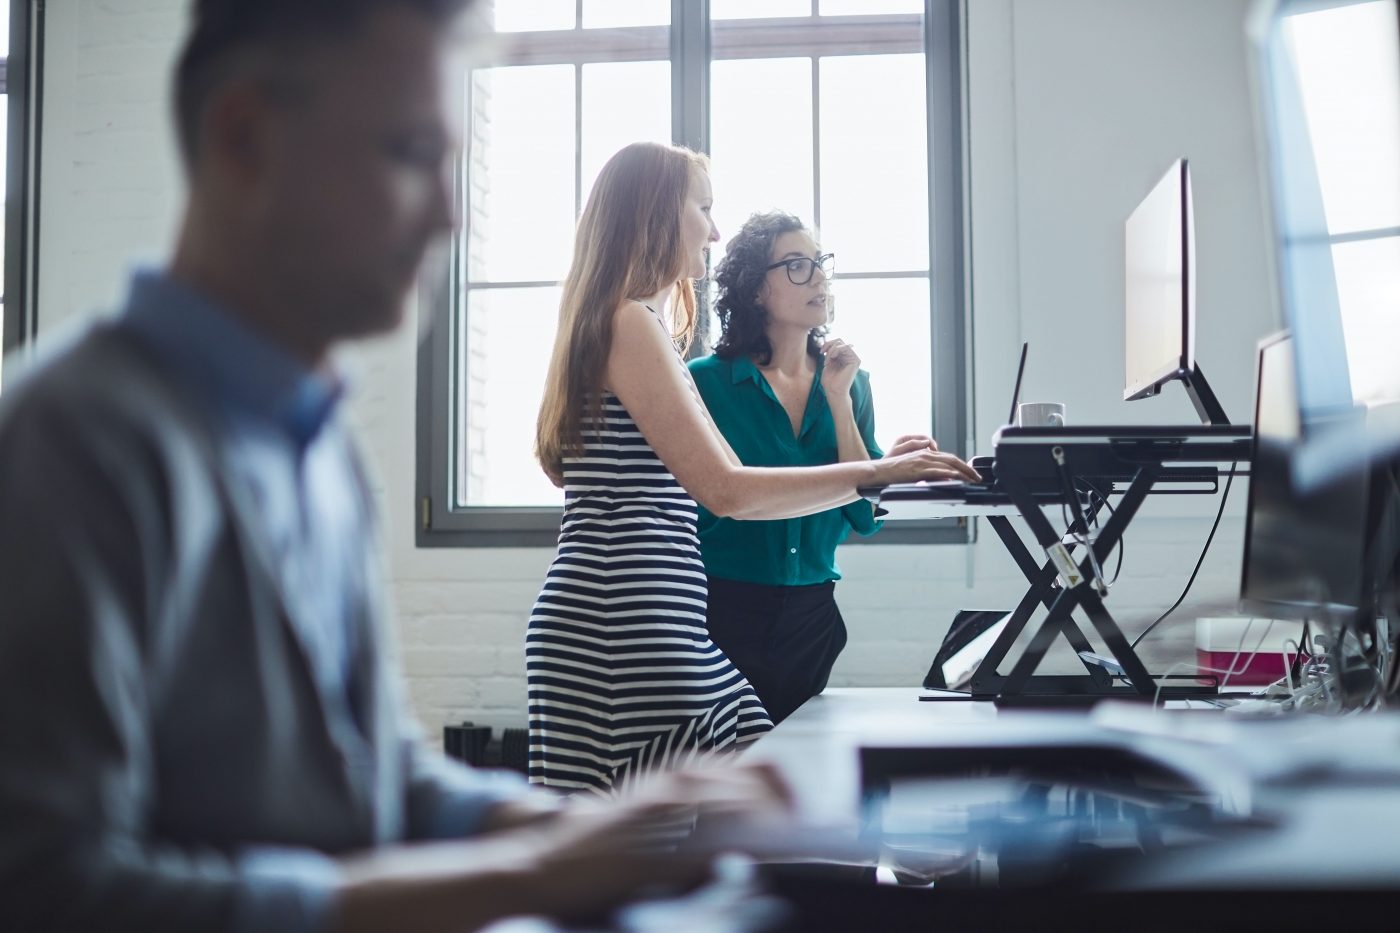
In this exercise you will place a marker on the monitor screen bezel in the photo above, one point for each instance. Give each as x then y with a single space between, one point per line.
1137 386
1312 610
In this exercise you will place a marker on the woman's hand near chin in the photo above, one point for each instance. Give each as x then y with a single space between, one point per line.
839 370
909 443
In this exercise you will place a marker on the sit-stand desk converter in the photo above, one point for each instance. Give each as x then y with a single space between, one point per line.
1035 467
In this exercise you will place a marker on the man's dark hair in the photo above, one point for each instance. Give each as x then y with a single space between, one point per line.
740 276
221 30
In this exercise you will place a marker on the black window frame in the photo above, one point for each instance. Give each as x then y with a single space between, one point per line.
20 77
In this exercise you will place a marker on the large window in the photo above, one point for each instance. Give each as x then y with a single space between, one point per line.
1336 49
844 112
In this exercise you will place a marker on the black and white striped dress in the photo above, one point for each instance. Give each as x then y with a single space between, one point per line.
621 671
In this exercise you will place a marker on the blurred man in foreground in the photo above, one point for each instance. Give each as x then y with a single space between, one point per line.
200 724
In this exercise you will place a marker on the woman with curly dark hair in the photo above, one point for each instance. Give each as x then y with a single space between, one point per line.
783 394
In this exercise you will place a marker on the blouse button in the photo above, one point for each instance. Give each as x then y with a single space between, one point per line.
792 550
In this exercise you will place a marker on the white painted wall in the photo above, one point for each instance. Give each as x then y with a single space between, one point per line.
1076 107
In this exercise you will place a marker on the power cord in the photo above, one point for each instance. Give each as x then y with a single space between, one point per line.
1225 497
1235 667
1186 667
1071 495
1093 491
1292 666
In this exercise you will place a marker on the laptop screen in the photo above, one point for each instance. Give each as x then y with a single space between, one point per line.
1016 393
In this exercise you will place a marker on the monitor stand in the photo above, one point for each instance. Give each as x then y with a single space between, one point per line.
1120 674
1203 398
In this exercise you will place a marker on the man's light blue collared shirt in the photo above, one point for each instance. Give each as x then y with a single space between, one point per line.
271 410
136 809
276 432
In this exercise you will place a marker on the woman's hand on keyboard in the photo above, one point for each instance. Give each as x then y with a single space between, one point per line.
923 465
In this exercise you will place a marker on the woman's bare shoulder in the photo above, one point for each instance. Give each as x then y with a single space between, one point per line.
632 312
634 321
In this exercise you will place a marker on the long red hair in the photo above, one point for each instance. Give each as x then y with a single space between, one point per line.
627 246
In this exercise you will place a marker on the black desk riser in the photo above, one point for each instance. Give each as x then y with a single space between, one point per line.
1131 461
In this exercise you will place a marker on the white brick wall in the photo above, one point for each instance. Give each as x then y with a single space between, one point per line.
1076 105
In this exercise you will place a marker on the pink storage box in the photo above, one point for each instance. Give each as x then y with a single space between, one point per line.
1218 640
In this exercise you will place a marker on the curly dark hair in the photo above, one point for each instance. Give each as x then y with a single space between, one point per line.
740 276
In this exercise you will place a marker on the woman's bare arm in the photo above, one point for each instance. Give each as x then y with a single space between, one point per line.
648 377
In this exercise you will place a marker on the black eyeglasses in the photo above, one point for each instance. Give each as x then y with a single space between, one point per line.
801 269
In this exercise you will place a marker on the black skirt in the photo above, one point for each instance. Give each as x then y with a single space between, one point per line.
784 639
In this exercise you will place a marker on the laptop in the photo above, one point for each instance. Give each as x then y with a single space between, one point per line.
958 489
982 463
1016 392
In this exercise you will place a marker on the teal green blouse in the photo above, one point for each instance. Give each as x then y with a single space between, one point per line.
794 551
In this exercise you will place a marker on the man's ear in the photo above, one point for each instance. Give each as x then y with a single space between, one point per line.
235 132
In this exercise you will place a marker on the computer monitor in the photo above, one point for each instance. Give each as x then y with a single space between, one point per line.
1305 552
1327 94
1159 332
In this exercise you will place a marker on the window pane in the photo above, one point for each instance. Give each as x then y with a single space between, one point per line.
760 139
887 321
604 13
508 336
623 102
758 9
874 169
869 7
534 15
1356 136
521 175
1368 291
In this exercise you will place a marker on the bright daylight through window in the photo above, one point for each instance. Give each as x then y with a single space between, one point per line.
821 108
1337 50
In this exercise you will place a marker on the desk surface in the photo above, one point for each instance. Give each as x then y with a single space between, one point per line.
816 747
1331 784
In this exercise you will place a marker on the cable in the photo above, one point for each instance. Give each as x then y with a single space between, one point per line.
1183 666
1252 655
1099 582
1093 491
1225 497
1290 666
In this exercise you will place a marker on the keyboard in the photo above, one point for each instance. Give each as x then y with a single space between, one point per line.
985 492
1103 454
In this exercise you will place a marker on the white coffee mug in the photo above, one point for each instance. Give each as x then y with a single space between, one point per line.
1041 415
